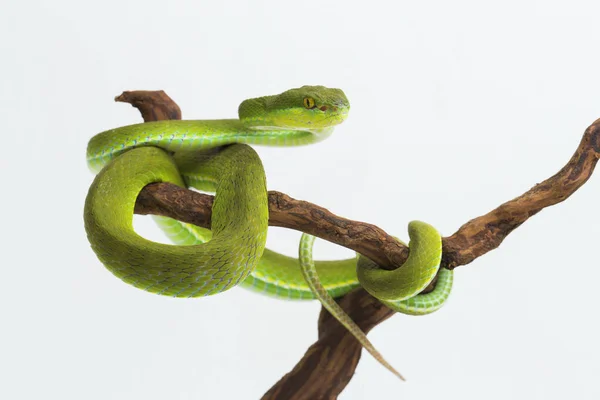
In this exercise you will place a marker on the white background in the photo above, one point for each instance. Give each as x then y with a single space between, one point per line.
457 106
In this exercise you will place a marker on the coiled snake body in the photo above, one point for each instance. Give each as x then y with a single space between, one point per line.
213 155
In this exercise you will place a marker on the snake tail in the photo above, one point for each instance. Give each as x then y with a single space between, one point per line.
420 268
309 272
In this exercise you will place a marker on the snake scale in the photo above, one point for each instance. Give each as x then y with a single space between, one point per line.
215 156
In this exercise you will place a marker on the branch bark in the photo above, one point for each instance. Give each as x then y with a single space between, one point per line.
328 365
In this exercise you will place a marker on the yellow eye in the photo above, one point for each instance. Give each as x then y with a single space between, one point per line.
309 102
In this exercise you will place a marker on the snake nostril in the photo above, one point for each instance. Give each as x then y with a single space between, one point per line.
323 108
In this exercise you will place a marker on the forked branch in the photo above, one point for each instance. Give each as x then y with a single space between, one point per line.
328 365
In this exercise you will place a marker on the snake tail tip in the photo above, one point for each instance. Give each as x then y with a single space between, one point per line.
398 374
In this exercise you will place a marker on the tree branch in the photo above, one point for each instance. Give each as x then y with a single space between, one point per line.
330 362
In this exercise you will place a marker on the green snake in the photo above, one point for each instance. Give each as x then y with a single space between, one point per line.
214 156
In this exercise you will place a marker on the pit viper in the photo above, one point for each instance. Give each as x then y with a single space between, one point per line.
215 156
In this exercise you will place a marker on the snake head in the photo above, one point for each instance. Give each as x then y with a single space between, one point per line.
307 108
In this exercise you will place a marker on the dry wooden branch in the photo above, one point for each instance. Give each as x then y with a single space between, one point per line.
328 365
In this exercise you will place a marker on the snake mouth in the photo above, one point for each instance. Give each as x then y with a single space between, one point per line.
334 115
322 117
329 115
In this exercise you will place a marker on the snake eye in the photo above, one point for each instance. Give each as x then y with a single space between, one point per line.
309 102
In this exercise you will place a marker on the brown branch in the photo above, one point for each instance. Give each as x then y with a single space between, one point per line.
329 363
153 105
193 207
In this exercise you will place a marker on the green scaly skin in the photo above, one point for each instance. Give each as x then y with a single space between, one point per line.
398 289
194 154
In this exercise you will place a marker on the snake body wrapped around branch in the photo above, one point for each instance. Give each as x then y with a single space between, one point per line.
213 155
